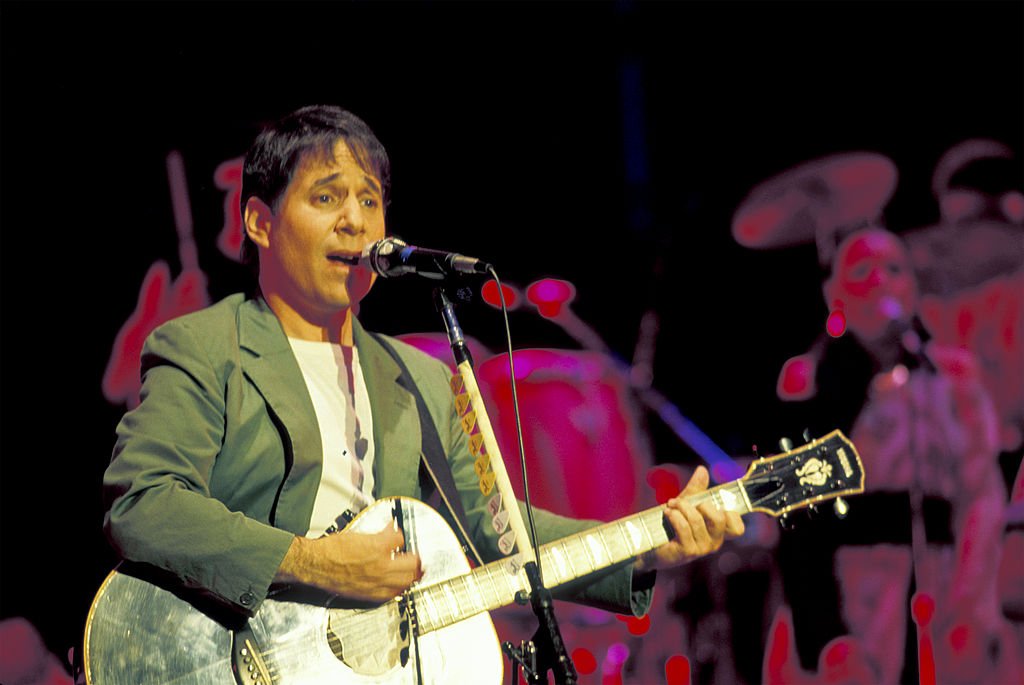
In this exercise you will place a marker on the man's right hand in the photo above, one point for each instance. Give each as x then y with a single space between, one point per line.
359 566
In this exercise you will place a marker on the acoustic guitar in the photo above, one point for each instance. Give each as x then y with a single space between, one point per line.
142 631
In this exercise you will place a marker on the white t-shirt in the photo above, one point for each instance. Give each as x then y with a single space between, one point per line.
336 386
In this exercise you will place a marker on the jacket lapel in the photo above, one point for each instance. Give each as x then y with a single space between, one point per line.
268 361
396 424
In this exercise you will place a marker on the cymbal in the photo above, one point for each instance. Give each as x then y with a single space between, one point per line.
962 155
821 195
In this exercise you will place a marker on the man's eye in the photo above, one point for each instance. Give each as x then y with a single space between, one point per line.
369 202
324 198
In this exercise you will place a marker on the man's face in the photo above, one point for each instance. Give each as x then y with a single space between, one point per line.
873 280
332 208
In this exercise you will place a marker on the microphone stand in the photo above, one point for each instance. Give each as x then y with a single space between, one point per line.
546 650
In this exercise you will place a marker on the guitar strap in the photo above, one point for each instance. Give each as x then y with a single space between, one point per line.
435 461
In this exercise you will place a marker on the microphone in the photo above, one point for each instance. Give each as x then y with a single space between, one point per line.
393 257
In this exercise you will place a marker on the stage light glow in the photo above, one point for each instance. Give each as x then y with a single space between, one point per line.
836 323
489 293
923 608
550 295
677 670
665 483
228 177
796 380
584 661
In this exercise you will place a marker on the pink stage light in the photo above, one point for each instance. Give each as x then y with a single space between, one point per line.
550 295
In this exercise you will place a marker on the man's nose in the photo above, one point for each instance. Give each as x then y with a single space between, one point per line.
351 219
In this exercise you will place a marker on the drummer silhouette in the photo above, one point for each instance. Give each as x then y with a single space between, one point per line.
970 265
919 413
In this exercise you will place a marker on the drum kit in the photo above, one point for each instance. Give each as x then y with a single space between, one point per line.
580 409
969 268
969 264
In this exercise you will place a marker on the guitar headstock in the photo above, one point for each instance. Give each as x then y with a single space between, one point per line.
823 469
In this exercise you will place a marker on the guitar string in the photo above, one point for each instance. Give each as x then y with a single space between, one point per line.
452 605
462 591
467 587
454 599
357 623
455 594
434 594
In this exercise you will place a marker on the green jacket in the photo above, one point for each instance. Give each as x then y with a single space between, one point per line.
217 468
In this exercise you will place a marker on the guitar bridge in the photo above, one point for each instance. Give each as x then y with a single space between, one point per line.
247 663
408 628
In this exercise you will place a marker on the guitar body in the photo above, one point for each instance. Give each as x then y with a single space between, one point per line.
139 632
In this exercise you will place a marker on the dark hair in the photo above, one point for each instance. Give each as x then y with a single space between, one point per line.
277 151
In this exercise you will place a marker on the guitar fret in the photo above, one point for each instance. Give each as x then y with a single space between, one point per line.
555 561
569 557
472 595
509 591
599 533
513 580
426 608
622 542
451 602
455 599
499 597
745 498
587 553
743 505
597 549
631 534
617 548
437 603
655 524
440 604
615 543
457 591
502 570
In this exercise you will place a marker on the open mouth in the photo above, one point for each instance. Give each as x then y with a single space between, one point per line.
351 259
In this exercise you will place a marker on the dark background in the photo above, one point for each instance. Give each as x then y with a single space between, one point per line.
577 140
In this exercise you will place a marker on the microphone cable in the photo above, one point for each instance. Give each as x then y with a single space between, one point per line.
518 422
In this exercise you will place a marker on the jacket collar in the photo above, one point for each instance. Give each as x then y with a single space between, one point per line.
271 366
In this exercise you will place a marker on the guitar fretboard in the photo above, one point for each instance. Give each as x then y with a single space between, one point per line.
496 584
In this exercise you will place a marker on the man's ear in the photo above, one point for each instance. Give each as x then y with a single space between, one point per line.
258 220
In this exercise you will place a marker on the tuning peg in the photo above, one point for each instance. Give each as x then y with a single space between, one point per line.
786 444
812 511
841 507
785 522
806 435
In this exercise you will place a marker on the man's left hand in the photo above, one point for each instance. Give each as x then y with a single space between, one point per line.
698 530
